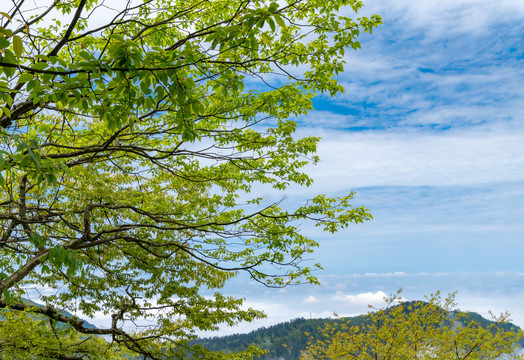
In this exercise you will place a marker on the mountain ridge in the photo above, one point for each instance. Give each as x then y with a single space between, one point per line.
285 341
87 324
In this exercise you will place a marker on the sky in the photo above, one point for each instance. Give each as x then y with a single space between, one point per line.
430 136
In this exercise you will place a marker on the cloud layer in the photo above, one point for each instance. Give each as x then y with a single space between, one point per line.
352 294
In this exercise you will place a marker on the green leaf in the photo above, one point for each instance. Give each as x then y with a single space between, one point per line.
51 179
266 38
7 296
261 22
10 59
271 24
43 57
6 15
280 21
6 32
273 7
6 111
25 77
35 157
18 46
39 65
86 55
4 43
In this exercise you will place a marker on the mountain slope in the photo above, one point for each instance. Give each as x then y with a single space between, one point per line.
60 311
285 341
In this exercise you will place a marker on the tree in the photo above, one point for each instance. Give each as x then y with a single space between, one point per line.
133 136
418 330
24 336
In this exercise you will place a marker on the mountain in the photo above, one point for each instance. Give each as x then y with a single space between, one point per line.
61 312
285 341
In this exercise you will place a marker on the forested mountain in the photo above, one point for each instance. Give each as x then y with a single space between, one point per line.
285 341
87 324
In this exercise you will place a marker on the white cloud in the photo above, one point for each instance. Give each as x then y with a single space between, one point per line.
389 274
351 160
439 17
365 299
310 300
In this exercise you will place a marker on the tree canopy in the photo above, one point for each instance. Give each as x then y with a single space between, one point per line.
133 138
417 330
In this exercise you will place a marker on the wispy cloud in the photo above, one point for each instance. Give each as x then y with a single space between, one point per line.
311 300
357 159
351 294
437 63
368 298
445 18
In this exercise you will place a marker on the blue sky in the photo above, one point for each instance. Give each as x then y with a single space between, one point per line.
430 135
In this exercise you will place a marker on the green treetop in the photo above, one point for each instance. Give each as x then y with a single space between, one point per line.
418 330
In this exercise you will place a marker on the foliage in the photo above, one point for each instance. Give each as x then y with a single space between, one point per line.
24 336
132 135
417 330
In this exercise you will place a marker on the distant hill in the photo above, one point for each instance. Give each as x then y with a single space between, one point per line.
285 341
62 312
